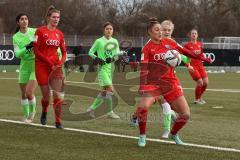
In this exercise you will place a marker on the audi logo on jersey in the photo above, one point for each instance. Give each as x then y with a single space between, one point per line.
158 56
52 42
210 55
197 52
6 55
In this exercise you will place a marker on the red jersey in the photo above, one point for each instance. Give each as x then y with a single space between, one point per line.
197 49
154 53
46 45
155 74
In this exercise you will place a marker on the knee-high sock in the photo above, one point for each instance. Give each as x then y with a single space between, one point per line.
142 114
198 92
166 116
57 104
109 101
204 87
179 123
97 102
25 107
45 105
32 105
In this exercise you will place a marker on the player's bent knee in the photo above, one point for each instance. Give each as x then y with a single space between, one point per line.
184 116
200 82
29 95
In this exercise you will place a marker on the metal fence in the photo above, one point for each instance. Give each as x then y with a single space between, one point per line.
76 40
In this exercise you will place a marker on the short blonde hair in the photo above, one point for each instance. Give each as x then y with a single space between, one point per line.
168 22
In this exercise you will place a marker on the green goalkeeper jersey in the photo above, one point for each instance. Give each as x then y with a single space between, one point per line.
105 48
20 40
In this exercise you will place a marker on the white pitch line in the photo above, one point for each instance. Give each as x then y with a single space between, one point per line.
126 136
75 82
219 90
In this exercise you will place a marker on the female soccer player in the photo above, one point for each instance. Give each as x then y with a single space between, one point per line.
196 68
157 79
106 48
167 29
23 43
48 40
168 114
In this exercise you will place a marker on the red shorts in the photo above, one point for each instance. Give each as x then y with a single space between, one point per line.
199 72
42 72
175 92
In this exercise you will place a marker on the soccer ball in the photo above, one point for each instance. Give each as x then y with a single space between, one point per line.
172 58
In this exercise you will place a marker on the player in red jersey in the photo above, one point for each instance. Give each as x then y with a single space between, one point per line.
196 68
48 40
157 78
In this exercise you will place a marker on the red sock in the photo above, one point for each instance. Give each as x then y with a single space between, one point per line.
57 105
142 119
45 105
179 123
198 92
204 87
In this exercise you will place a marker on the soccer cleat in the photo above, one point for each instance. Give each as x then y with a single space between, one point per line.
44 118
198 101
202 101
91 112
113 115
59 125
142 141
176 139
165 134
134 121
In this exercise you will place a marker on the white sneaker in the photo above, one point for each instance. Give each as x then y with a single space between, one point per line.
91 112
198 101
113 115
31 117
165 134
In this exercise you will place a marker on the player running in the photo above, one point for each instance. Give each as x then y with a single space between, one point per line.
48 40
157 79
196 68
23 43
106 48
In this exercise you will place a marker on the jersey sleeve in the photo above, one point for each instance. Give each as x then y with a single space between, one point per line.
93 49
36 45
190 53
20 52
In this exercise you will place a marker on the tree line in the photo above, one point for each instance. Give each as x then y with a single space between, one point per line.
85 17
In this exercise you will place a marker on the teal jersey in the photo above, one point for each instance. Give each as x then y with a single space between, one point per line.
20 40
